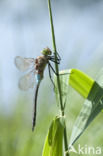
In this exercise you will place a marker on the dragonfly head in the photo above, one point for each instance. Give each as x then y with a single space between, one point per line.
46 51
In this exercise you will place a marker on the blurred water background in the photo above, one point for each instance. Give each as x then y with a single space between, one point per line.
25 31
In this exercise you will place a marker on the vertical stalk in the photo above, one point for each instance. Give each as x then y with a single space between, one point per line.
55 52
57 71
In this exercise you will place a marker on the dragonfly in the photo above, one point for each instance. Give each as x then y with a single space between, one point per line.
35 73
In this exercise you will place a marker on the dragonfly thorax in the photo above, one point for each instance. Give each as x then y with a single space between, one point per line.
40 64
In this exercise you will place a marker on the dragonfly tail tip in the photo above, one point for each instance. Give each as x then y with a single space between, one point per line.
32 129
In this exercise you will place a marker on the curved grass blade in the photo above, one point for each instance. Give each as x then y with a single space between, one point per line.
91 90
81 82
91 107
54 141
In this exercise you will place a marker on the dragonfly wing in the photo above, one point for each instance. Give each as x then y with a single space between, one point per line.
27 81
24 64
99 78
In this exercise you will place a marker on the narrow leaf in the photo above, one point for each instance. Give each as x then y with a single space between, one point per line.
81 82
54 141
91 108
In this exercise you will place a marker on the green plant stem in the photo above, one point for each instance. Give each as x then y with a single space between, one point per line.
57 71
55 52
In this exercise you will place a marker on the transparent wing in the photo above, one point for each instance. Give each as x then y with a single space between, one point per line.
27 81
24 64
99 78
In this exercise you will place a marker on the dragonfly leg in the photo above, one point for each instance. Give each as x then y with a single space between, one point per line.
50 75
53 69
57 74
58 59
58 56
55 61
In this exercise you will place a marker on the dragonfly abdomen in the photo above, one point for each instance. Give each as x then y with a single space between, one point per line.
38 78
35 105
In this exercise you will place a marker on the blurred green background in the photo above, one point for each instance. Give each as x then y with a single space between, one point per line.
25 31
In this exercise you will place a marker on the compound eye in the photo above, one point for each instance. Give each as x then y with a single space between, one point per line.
46 51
